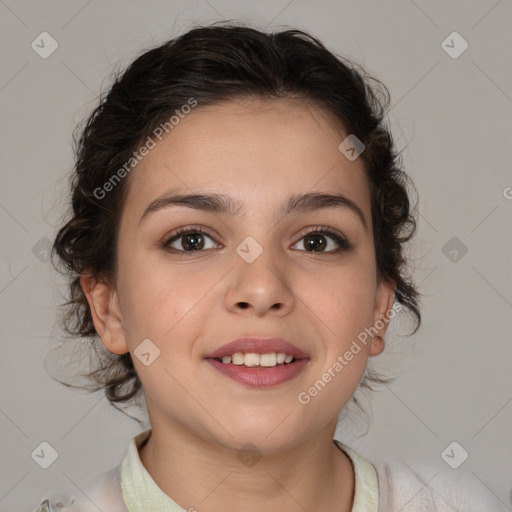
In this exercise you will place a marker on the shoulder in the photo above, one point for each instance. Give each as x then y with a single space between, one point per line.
414 489
103 493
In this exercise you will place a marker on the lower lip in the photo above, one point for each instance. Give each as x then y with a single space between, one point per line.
260 377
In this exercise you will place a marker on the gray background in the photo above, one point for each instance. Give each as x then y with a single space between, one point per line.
452 117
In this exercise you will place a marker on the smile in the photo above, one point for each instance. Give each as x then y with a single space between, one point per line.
259 362
258 375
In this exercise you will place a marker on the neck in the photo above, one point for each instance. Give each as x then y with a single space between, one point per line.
207 477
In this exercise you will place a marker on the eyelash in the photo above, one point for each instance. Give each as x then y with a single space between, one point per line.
344 244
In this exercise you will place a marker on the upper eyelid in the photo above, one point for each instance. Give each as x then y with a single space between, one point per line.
200 229
182 231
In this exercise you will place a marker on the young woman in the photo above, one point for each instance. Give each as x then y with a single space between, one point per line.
236 243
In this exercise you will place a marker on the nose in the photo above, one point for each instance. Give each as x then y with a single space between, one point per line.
260 287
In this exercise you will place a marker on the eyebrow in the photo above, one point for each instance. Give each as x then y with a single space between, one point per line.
222 204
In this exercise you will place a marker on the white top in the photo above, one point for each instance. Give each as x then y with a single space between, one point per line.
379 487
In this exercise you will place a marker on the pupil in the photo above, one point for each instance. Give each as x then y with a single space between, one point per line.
313 242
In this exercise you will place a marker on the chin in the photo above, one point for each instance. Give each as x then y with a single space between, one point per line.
268 434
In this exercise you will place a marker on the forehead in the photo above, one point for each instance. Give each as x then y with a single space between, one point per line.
254 150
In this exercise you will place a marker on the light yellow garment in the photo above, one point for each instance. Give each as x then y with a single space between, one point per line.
379 487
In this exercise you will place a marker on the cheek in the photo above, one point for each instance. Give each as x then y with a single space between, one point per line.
343 297
160 298
343 303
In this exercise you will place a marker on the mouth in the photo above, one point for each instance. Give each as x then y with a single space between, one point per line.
259 362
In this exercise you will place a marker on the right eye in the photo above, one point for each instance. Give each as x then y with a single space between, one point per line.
188 240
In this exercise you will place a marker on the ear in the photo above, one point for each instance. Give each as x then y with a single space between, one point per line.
106 313
383 304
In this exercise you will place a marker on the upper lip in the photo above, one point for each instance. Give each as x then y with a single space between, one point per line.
257 346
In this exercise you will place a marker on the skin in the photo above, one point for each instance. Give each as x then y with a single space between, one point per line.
259 152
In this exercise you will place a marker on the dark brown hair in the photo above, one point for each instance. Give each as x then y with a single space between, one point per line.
213 64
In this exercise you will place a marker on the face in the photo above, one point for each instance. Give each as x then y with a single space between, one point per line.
306 276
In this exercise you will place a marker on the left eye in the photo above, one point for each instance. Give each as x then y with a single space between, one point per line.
314 241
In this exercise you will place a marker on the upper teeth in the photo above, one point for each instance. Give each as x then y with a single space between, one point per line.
252 359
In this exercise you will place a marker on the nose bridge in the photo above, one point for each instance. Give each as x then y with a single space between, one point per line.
259 278
257 262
